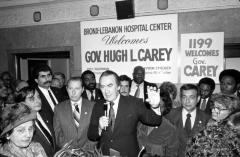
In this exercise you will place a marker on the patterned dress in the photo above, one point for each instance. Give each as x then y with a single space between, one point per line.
33 150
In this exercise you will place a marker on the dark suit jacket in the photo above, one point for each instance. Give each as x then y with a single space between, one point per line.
208 109
39 137
98 95
124 136
175 117
65 127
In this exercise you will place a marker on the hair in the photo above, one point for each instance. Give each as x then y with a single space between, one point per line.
87 72
170 88
23 93
230 102
59 74
138 67
167 101
189 87
208 81
125 78
6 73
13 113
76 78
109 72
40 68
230 72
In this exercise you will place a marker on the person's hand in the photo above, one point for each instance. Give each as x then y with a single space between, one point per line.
153 96
103 122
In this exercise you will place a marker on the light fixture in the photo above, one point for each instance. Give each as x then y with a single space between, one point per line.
37 16
162 4
94 10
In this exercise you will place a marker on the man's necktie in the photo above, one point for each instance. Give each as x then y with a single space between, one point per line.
203 105
76 114
137 93
188 124
51 96
111 116
92 96
46 133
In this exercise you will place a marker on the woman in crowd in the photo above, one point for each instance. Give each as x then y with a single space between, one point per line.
218 138
162 140
172 90
17 122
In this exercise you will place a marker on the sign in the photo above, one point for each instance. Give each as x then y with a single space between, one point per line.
201 56
120 45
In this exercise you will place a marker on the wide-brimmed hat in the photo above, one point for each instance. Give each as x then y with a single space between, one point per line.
14 115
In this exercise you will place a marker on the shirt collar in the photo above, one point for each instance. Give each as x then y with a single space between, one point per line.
185 112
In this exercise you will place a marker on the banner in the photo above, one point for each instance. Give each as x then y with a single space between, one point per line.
201 56
120 45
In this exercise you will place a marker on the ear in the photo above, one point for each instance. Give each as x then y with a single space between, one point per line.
36 80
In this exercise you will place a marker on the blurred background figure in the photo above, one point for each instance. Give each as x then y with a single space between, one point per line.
3 94
172 90
8 80
30 97
125 85
206 87
17 123
20 84
56 83
218 138
90 92
61 77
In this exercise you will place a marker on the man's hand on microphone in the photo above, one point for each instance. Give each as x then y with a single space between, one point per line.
103 122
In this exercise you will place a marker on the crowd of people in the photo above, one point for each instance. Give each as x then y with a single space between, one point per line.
123 116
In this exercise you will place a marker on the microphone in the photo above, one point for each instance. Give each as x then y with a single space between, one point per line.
105 107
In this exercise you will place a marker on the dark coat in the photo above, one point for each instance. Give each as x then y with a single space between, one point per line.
124 136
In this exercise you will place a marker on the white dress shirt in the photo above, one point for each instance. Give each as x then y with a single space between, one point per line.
47 96
134 88
193 116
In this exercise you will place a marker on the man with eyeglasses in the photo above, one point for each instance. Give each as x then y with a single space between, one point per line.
206 87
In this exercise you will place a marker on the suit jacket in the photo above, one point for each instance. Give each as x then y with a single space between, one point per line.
46 113
65 127
175 117
208 109
131 110
98 95
39 137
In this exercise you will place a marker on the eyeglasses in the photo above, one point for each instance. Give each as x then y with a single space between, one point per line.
219 109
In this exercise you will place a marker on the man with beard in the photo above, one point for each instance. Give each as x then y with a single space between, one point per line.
89 83
49 96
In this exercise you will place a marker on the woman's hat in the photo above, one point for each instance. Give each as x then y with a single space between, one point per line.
14 115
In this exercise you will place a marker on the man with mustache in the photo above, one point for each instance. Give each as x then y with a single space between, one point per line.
49 96
90 91
125 85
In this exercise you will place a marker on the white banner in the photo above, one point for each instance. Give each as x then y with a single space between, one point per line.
201 56
120 45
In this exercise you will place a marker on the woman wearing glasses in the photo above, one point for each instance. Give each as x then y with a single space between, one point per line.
218 138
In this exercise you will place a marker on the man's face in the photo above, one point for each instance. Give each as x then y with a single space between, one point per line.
109 87
61 80
205 91
228 85
75 89
7 79
124 88
44 79
138 75
189 99
89 81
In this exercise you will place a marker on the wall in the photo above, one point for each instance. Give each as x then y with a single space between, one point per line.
60 25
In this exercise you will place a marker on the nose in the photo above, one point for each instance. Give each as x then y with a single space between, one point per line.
73 92
28 133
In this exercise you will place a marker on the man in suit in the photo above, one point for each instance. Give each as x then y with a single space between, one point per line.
72 117
206 86
188 119
49 97
89 83
139 85
114 121
125 85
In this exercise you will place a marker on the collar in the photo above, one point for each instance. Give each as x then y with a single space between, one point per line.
44 90
185 112
135 84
